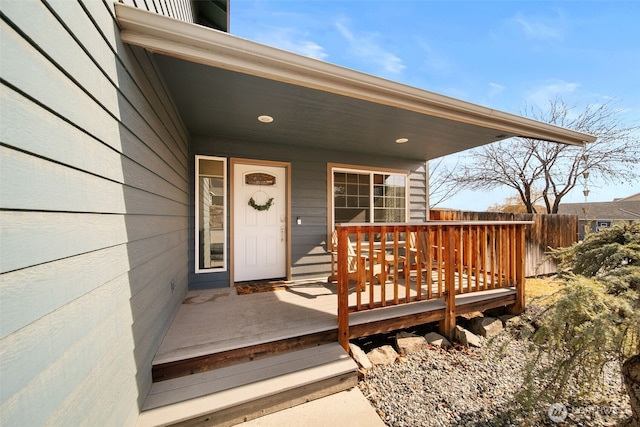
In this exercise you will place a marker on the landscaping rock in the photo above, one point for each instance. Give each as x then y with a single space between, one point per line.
407 343
470 316
466 338
495 312
477 388
360 356
512 321
485 326
384 355
518 325
435 339
509 319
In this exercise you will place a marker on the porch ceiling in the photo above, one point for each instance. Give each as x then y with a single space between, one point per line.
214 101
222 83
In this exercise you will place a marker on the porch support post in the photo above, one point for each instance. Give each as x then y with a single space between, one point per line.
519 305
448 324
343 288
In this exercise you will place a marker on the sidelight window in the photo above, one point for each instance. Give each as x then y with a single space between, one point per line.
211 214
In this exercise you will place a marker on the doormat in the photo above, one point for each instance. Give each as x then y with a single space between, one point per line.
258 287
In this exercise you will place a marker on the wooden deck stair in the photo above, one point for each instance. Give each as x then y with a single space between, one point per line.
189 365
232 394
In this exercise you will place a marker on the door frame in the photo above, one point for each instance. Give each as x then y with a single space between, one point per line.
252 162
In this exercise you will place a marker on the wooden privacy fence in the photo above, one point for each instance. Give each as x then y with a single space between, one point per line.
546 231
394 264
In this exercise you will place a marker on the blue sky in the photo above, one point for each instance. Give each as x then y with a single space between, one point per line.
501 54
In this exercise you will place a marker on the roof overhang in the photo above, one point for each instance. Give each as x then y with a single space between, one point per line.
221 83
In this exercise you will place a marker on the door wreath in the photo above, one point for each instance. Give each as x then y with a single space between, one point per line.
262 207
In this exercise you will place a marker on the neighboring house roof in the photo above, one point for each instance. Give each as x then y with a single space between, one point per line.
620 209
633 198
221 83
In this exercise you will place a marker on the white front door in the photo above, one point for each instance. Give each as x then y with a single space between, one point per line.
260 222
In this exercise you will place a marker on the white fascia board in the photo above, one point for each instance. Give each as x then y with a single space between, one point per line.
195 43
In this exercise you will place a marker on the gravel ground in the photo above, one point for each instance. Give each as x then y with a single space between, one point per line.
475 387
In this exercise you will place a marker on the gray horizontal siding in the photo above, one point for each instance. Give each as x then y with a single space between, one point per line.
308 199
178 9
94 206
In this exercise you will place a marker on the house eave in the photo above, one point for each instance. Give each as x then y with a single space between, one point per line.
207 46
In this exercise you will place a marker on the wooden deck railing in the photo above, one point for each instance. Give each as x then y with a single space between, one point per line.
393 264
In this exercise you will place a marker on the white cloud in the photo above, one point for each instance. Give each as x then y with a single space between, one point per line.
542 94
365 46
345 31
536 29
310 49
495 89
292 41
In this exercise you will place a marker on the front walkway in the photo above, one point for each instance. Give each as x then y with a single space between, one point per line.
347 408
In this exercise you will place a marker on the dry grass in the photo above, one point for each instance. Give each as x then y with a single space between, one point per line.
541 290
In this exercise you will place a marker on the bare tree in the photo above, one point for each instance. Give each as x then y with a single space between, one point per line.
545 171
442 184
513 204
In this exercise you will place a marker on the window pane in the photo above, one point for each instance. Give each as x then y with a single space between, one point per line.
210 205
355 206
389 198
388 201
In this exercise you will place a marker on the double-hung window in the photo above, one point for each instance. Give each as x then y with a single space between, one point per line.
368 196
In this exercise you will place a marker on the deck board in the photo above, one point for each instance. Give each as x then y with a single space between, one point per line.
192 386
218 320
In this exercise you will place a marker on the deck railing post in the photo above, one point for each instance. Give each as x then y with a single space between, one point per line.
343 288
449 322
519 306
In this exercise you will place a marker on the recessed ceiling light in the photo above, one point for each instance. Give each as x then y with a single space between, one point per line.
265 119
402 140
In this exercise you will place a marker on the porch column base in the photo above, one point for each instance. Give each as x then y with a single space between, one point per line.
446 328
514 309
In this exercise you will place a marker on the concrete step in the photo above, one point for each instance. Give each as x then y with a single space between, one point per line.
230 395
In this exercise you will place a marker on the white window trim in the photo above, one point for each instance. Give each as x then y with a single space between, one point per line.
371 172
225 200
